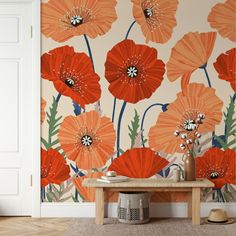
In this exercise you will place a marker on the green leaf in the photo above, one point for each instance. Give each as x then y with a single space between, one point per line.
133 128
54 133
48 197
67 189
229 193
121 151
144 141
232 142
232 132
45 143
227 196
53 123
231 188
219 140
74 199
52 196
230 121
62 187
56 191
55 142
64 199
57 126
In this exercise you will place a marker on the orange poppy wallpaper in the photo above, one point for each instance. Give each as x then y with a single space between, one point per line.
133 86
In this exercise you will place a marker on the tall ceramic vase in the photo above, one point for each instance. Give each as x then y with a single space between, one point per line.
189 168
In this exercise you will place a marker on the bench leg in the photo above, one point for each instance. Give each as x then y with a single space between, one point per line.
189 201
99 206
196 206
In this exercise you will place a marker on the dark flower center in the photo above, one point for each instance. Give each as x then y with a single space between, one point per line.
132 71
76 20
189 125
86 140
214 175
148 12
69 82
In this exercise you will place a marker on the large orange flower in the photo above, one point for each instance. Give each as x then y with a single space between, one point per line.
190 53
54 169
62 20
133 71
218 166
138 163
156 18
87 193
225 65
196 104
43 113
223 18
87 139
72 74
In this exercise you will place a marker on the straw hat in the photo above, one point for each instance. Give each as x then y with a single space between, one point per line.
218 216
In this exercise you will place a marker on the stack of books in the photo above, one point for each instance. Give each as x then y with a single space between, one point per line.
116 179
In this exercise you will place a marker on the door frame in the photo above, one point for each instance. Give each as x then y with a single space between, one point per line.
36 97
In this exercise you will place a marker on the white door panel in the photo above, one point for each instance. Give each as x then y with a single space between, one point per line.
16 108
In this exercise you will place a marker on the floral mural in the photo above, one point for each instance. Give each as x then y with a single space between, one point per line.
131 86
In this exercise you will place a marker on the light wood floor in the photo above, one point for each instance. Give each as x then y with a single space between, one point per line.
26 226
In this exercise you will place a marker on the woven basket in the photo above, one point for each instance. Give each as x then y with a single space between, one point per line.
133 207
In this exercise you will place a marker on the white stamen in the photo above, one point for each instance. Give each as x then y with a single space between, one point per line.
86 140
176 133
132 71
189 125
189 141
76 20
198 135
182 146
201 116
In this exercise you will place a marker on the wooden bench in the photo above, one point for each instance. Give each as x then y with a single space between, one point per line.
192 189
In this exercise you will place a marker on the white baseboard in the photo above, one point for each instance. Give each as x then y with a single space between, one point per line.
156 209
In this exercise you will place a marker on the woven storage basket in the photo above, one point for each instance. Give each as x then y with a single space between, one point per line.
133 207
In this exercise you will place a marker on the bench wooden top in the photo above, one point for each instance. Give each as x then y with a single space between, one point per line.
149 183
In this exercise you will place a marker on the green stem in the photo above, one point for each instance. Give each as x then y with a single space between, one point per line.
143 119
204 67
119 126
89 50
76 194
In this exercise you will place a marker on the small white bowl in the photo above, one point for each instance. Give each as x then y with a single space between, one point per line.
111 173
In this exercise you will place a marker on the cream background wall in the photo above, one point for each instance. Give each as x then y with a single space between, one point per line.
191 17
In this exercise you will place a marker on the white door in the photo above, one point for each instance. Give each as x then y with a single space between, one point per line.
15 108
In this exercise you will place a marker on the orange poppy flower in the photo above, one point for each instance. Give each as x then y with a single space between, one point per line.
218 166
156 18
72 74
54 169
133 71
138 163
223 18
89 193
180 122
87 139
62 20
43 113
225 65
189 53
